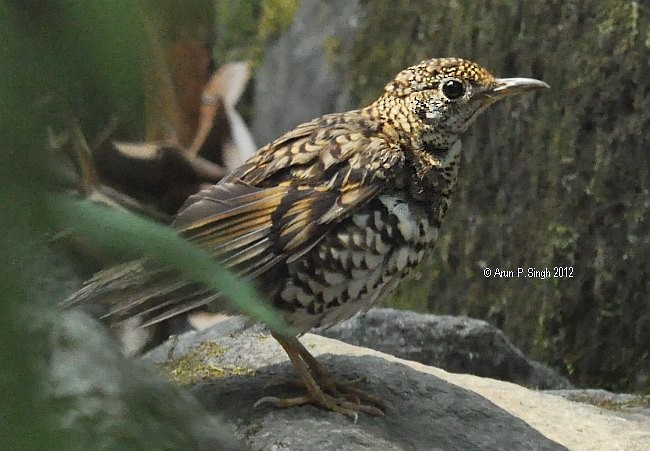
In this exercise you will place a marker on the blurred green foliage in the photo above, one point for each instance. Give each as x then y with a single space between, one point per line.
556 179
134 236
87 57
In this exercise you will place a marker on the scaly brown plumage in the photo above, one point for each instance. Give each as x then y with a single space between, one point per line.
328 218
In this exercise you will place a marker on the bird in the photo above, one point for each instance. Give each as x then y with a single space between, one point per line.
326 220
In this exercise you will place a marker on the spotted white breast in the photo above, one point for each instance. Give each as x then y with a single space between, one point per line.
357 264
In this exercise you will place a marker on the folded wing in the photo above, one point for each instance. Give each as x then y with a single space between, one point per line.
269 212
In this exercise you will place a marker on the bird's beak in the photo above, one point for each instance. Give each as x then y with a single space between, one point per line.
504 87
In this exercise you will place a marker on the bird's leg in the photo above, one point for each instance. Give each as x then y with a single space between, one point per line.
322 388
346 388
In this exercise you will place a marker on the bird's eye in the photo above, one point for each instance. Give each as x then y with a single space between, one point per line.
453 88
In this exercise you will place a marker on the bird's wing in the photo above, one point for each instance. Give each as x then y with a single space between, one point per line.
270 211
284 200
250 229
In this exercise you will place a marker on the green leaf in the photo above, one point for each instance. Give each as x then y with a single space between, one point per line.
113 229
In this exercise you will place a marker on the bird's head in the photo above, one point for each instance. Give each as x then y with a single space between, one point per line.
442 97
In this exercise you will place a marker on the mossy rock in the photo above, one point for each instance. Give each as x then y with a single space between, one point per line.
557 179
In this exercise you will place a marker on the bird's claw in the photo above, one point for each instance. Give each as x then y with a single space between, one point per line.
339 404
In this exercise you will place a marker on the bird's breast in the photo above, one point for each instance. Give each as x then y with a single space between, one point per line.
434 180
358 263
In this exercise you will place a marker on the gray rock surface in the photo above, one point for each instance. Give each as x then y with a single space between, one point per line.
431 409
296 81
626 405
457 344
102 401
427 412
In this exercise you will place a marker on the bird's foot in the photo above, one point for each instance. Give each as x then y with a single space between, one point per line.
324 390
347 404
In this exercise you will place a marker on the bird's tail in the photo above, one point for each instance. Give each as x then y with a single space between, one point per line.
139 291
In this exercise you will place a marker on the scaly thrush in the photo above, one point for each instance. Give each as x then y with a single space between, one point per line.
327 219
